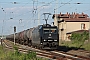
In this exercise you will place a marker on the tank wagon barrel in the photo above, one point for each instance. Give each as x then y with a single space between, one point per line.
17 36
10 37
29 33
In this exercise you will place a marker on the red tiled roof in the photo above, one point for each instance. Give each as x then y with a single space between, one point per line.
73 17
77 20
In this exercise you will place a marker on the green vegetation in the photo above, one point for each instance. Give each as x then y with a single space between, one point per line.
16 55
80 36
78 40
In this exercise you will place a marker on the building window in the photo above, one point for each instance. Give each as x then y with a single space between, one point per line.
82 26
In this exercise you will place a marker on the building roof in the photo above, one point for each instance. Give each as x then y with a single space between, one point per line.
74 17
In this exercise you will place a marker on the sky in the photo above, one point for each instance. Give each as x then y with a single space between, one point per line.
25 14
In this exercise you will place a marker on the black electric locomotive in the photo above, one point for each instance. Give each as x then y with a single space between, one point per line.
45 37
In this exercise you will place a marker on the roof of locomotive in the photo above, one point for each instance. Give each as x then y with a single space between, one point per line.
46 26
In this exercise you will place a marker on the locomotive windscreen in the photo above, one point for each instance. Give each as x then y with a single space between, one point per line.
49 30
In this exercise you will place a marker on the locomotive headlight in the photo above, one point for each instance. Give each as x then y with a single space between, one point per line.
55 40
44 40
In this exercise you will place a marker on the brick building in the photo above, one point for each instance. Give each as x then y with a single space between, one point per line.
68 23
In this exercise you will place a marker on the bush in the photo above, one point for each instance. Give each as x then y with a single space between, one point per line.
80 36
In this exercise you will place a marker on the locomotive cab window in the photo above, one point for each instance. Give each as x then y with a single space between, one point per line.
53 31
49 30
46 31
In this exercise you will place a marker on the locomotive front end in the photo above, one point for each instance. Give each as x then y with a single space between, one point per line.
50 38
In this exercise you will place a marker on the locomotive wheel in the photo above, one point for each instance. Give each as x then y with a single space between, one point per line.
29 44
25 42
19 42
40 47
22 42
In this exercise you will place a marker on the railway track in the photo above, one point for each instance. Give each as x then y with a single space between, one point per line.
80 52
53 55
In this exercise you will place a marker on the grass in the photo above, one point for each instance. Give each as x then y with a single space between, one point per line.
86 46
76 44
10 55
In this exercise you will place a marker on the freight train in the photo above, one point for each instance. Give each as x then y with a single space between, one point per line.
43 37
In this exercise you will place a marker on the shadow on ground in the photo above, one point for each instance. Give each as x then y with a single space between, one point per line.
66 49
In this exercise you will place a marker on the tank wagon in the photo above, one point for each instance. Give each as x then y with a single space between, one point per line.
42 36
10 37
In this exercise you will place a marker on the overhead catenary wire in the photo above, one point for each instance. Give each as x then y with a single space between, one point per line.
38 2
45 5
40 7
32 9
49 3
78 3
37 8
62 5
